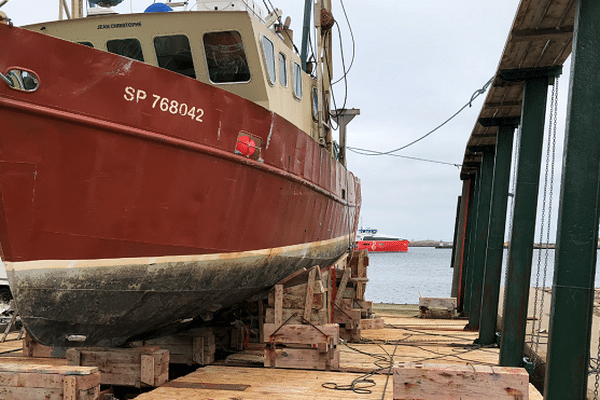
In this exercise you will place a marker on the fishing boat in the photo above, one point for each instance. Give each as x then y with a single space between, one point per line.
369 239
158 167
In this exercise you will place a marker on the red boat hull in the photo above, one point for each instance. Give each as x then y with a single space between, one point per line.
383 245
119 217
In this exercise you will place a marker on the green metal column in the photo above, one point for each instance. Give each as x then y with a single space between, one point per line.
468 189
481 235
456 249
469 248
495 248
521 244
575 263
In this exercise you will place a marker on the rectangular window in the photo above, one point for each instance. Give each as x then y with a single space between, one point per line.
282 70
130 48
225 57
173 53
297 80
269 53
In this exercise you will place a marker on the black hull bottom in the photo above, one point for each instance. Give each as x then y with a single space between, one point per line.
107 303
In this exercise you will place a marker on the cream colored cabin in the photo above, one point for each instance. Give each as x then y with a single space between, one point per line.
233 50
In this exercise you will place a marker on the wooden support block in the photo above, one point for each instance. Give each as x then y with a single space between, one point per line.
309 293
295 296
184 347
147 370
304 358
454 382
448 303
302 334
359 263
278 304
33 381
33 349
294 316
342 287
351 335
372 323
348 318
124 367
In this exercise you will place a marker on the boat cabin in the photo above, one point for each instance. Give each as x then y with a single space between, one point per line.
225 44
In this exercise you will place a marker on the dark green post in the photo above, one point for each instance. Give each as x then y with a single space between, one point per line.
520 253
469 248
575 263
481 235
495 248
468 188
455 249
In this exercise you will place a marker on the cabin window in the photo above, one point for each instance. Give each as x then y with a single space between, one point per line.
173 53
297 80
225 57
282 70
88 44
130 48
315 103
269 53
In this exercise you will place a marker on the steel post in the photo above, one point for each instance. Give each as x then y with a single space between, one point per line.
471 227
456 247
521 244
495 247
577 235
468 185
481 235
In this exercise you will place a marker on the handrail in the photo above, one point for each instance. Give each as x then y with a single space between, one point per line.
6 80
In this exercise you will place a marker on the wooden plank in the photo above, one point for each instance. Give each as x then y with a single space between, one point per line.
309 293
342 287
70 388
301 359
147 370
464 382
295 316
288 334
279 304
448 303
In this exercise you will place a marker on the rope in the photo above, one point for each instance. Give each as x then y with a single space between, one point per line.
475 94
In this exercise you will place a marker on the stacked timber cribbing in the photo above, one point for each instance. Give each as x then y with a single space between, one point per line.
35 381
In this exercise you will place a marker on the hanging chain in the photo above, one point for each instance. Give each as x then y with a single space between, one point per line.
547 197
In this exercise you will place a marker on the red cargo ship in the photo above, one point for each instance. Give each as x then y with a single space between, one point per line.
368 239
156 168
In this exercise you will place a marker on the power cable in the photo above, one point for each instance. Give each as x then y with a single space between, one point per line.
475 94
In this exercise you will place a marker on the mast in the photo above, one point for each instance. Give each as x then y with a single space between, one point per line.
76 10
305 33
324 22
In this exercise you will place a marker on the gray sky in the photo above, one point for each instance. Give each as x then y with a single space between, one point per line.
417 63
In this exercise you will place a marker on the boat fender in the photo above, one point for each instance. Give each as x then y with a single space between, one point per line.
245 145
158 7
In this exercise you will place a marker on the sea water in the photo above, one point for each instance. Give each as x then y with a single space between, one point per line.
401 277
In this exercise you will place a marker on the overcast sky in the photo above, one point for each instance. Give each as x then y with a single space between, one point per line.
417 63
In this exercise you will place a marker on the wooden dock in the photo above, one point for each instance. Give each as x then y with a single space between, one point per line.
364 366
